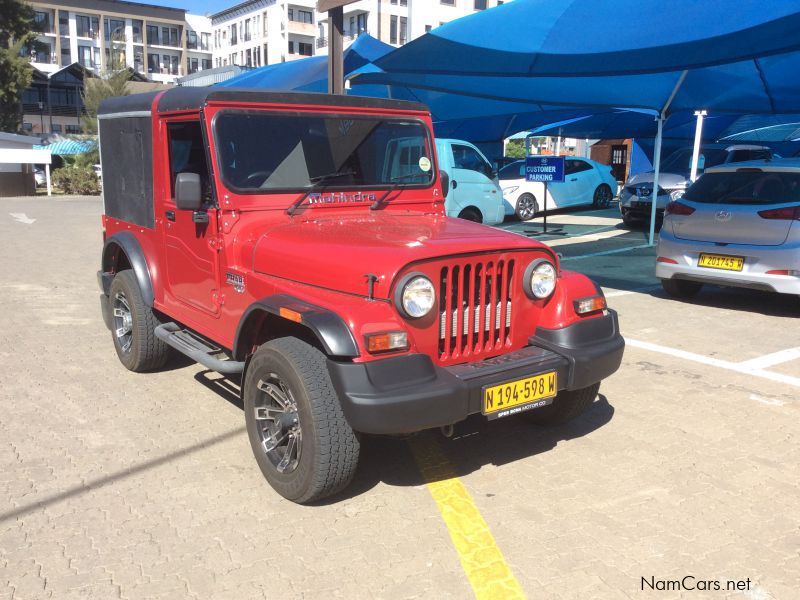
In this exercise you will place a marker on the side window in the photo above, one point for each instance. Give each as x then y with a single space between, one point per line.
466 157
572 166
187 154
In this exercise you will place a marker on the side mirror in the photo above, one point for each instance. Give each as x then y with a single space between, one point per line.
188 192
445 178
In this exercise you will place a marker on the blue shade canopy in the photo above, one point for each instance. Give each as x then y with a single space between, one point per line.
613 37
739 57
67 147
310 74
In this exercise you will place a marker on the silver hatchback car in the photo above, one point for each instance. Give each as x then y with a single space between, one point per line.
737 225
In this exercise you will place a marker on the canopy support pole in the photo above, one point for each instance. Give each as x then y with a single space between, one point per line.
698 135
558 143
662 116
47 177
336 50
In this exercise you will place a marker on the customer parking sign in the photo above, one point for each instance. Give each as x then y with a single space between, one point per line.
547 169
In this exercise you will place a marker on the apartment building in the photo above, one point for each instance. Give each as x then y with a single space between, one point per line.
161 43
386 20
425 15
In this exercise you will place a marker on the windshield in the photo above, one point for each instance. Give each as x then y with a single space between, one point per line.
745 187
680 161
261 151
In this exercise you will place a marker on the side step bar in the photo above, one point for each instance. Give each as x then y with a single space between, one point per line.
197 349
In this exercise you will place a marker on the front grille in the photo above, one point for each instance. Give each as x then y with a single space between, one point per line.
475 308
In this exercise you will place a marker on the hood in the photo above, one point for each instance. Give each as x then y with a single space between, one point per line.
666 181
338 252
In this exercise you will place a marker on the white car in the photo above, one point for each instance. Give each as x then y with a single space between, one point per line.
586 182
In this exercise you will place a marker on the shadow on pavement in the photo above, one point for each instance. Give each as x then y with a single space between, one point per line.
769 304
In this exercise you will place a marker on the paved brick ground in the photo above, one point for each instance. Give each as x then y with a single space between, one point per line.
143 486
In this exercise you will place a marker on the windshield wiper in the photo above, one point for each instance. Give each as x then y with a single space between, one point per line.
317 183
395 184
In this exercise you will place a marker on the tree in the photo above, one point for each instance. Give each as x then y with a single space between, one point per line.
97 89
16 35
515 149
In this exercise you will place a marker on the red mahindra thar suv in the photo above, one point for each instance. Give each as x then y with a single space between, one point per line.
299 242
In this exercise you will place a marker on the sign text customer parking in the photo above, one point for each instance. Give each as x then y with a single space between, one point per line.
547 169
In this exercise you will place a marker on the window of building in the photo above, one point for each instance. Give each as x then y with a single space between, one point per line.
205 63
152 63
480 4
301 48
138 60
248 58
362 22
63 23
136 27
152 35
403 2
191 40
56 128
175 70
428 28
234 37
27 127
448 2
193 65
393 30
66 56
75 129
85 56
257 52
247 30
403 30
42 21
301 16
114 29
87 26
205 41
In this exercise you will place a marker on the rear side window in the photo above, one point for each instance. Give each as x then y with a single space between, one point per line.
745 155
746 187
572 166
515 170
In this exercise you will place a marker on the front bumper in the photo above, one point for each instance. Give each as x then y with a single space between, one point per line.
409 393
631 207
758 260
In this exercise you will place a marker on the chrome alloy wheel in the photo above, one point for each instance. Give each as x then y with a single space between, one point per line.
603 196
526 207
123 321
278 424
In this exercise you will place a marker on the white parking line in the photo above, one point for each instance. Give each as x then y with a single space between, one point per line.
741 368
770 360
587 237
605 252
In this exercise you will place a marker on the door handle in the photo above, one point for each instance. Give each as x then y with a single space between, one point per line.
574 179
170 215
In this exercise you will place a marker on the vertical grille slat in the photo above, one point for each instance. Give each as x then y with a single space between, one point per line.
458 309
502 279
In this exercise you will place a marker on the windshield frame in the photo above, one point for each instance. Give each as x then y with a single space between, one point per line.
323 114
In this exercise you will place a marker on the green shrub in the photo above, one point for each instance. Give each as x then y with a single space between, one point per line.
76 180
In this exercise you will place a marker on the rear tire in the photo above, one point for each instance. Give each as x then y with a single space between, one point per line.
602 196
527 207
133 325
300 438
471 214
568 405
681 288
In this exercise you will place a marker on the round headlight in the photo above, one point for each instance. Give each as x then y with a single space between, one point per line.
417 296
540 279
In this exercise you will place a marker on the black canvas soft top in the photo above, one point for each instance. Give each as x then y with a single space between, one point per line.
194 98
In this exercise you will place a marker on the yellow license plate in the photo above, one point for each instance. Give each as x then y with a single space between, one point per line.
523 394
720 261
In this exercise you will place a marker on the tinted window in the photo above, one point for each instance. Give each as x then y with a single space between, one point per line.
466 157
515 170
265 151
743 155
745 187
572 166
680 161
187 154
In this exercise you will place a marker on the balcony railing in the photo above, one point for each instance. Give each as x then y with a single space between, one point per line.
322 42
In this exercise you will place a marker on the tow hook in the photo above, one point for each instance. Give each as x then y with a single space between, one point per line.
447 430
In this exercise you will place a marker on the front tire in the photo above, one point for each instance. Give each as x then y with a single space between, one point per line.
568 405
133 325
526 207
681 288
602 196
471 214
300 438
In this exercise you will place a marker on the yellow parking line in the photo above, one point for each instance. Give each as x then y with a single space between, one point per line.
482 561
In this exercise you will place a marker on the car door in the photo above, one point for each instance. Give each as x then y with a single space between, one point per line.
472 180
192 261
579 184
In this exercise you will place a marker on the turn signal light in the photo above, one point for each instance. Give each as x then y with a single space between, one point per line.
678 208
292 315
392 341
584 306
790 213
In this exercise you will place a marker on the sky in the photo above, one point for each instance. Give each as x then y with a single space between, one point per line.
197 7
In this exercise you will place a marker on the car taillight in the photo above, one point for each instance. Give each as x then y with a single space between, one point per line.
678 208
789 213
669 261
